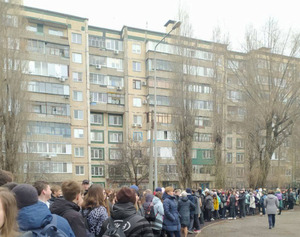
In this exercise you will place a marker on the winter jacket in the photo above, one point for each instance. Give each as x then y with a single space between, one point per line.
242 199
232 200
271 203
70 211
38 215
216 203
209 205
135 226
185 206
252 201
192 199
171 219
197 205
95 218
279 196
159 213
247 198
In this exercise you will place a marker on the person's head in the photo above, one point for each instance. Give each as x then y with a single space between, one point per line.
43 189
8 213
189 191
95 197
147 191
26 195
159 195
10 185
5 177
158 189
169 190
177 192
56 190
71 191
271 191
184 194
126 195
85 185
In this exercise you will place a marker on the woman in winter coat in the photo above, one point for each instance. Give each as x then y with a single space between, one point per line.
209 205
216 205
171 221
159 214
271 204
185 206
252 205
279 196
94 207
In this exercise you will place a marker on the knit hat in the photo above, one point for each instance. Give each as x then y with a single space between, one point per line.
158 189
85 181
126 195
26 195
136 188
184 194
188 190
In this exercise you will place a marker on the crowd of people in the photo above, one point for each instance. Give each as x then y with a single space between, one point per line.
86 210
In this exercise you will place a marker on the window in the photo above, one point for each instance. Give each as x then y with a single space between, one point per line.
76 38
239 157
138 136
239 143
169 169
136 66
77 95
96 41
50 108
115 137
137 84
115 120
137 102
136 48
76 57
96 119
115 154
194 154
137 119
202 122
31 28
97 170
78 133
97 136
79 170
77 76
229 142
47 69
55 32
47 128
79 151
78 114
229 157
97 153
239 172
207 154
202 137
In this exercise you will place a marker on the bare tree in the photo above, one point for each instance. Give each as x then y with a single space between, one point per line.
13 102
269 76
133 163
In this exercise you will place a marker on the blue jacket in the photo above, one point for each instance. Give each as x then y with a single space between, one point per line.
171 219
37 215
185 208
159 213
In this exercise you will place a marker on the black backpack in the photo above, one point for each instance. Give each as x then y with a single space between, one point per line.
115 229
149 212
48 230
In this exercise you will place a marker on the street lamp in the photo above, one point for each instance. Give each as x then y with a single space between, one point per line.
176 25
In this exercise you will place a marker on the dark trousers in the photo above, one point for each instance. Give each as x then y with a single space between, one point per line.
271 218
190 227
232 212
208 214
201 218
196 222
156 233
242 210
173 233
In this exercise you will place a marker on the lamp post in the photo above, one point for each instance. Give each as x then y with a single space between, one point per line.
176 25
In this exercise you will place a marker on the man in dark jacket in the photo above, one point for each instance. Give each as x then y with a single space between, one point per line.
68 207
124 214
33 214
209 205
242 198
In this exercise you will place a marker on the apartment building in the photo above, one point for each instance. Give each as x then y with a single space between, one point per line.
92 89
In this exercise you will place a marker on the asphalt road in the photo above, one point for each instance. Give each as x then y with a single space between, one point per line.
287 225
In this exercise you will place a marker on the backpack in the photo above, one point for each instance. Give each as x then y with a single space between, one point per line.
48 230
86 223
149 212
114 230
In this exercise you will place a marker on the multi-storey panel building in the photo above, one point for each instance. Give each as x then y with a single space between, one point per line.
92 89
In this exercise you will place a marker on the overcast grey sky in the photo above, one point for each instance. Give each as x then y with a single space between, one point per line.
231 15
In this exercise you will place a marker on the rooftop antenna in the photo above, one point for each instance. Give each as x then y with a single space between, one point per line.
146 31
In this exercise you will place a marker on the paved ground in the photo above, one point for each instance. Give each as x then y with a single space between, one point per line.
287 225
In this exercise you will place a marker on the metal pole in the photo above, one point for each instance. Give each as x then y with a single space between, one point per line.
177 24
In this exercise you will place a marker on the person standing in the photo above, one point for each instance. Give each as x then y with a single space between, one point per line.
44 191
209 205
271 204
279 196
171 222
242 205
185 207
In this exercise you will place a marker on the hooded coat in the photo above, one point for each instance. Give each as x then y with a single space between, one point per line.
171 219
159 213
70 211
185 208
135 225
271 204
37 216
